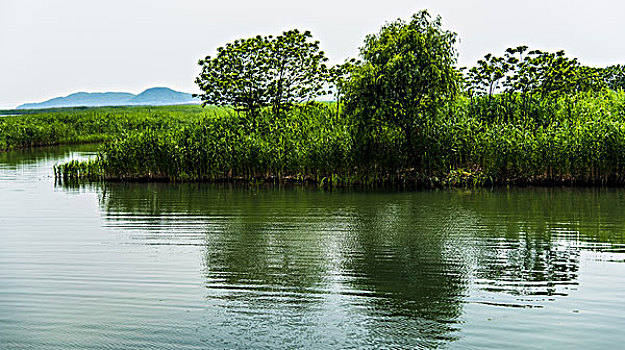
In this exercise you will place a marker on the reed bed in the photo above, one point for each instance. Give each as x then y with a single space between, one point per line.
87 125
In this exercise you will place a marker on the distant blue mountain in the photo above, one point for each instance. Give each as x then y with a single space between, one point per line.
158 96
162 96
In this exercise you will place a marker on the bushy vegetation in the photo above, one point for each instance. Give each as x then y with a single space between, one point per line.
310 141
265 71
406 75
581 139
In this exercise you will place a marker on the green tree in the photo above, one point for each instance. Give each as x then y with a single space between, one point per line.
614 76
264 71
509 86
406 74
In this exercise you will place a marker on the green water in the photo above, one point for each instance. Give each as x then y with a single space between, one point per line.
161 266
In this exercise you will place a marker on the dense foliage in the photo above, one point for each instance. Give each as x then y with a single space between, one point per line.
406 74
614 76
581 141
509 88
262 71
311 141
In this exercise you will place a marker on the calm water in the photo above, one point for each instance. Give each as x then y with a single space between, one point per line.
158 266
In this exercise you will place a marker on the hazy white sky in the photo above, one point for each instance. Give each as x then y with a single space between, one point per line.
51 48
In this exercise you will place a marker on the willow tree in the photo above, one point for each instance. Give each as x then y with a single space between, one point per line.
264 71
406 73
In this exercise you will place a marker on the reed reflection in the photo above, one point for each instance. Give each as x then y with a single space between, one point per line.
386 268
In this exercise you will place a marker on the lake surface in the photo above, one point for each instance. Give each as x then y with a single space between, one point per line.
162 266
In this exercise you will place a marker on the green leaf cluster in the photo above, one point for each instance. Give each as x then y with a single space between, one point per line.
406 74
535 72
265 71
614 76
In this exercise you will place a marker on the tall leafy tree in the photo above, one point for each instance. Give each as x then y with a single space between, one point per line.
407 71
264 71
298 68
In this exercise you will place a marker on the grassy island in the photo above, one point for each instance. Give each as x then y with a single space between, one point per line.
579 140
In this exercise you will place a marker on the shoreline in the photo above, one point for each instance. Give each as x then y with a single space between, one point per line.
407 182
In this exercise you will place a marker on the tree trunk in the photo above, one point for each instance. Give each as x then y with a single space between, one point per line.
412 157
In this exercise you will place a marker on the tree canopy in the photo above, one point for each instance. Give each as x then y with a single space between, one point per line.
614 76
545 74
264 71
406 73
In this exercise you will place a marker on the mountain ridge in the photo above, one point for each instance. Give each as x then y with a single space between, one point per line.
156 96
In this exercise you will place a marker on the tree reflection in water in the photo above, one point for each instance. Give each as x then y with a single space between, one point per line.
302 266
